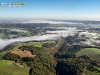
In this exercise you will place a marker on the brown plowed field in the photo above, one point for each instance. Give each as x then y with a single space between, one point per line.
24 53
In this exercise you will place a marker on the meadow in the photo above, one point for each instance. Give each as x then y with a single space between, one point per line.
8 67
89 51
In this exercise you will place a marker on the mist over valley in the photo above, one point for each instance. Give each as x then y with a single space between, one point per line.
59 46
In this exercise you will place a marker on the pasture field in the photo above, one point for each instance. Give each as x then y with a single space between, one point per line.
36 44
5 63
89 51
10 68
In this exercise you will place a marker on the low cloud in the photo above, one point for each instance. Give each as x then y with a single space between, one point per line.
64 33
89 34
50 22
19 30
91 38
5 42
90 42
59 28
48 36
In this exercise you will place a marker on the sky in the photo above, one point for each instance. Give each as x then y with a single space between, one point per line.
52 9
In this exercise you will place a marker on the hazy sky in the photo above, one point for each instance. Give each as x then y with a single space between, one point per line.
53 9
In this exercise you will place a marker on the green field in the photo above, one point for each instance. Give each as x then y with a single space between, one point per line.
10 68
5 63
39 44
89 51
36 44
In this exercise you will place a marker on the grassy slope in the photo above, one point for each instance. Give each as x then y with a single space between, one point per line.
39 44
89 51
36 44
8 68
5 63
